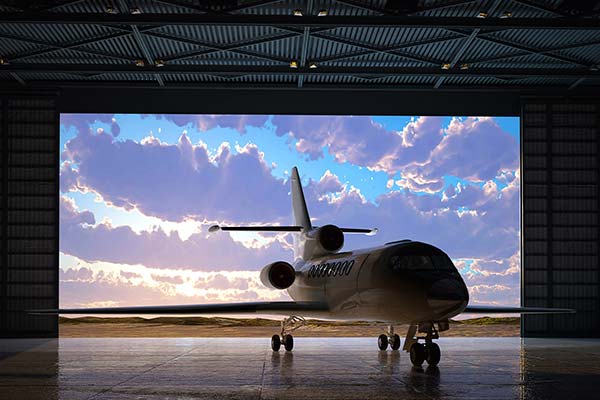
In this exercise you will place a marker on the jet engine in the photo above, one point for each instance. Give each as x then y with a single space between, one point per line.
279 275
329 237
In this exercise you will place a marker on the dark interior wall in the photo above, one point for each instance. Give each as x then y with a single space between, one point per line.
560 219
29 214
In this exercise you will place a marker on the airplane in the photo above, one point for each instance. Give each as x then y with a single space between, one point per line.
404 281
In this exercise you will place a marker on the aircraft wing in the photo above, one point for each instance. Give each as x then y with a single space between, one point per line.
515 310
265 307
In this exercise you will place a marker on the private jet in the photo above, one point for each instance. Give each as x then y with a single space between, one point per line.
401 282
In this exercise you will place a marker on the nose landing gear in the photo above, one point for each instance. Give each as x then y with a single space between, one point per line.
390 338
421 352
288 325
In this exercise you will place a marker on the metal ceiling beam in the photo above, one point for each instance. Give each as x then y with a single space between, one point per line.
466 43
305 43
57 47
374 49
390 50
311 21
284 70
212 48
367 7
528 49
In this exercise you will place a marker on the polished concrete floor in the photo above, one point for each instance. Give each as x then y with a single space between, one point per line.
318 368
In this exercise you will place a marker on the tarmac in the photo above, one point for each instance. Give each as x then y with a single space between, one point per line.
317 368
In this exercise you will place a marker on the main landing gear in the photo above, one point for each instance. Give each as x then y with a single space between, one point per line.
390 338
288 325
428 351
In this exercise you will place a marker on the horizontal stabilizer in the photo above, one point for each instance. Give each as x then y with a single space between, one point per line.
216 228
266 307
266 228
516 310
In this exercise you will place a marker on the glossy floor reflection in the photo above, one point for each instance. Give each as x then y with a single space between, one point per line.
318 368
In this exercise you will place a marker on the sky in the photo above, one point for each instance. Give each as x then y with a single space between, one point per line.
138 193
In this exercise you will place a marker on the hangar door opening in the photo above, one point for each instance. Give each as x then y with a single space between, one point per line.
138 193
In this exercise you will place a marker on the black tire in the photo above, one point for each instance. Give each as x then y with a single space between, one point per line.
382 342
288 342
275 342
417 354
433 354
396 342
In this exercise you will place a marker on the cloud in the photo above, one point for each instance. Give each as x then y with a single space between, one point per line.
205 122
109 284
175 182
422 153
329 183
201 251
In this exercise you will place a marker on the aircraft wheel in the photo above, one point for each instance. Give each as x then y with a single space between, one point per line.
288 342
433 354
417 354
275 343
396 342
382 342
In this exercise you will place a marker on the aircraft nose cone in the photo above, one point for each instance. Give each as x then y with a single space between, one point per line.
446 294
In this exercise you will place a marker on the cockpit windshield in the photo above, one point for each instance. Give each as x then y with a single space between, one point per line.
418 256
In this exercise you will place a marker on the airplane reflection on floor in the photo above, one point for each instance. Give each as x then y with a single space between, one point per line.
347 368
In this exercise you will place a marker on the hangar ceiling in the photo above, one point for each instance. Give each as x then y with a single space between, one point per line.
330 44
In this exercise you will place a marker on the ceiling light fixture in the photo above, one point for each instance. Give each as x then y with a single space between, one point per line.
464 66
506 14
322 13
110 10
135 11
445 66
3 61
298 13
159 63
139 63
482 15
293 64
312 65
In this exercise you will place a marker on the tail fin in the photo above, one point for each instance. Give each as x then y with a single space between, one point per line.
301 217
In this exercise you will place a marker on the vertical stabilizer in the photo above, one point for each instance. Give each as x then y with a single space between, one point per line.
301 217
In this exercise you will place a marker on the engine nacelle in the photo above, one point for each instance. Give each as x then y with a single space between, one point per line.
279 275
329 237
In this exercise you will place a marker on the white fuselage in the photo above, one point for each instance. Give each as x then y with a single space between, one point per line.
381 284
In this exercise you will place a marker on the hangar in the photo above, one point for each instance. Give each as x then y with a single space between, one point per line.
536 59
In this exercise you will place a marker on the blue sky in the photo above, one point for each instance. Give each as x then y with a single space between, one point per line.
152 183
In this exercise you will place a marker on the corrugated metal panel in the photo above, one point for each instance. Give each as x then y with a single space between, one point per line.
249 79
440 50
12 47
72 56
29 222
322 48
282 48
225 58
125 46
388 37
545 38
162 48
220 35
373 60
57 33
148 6
561 195
526 61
